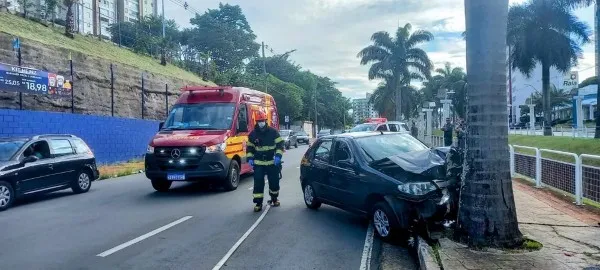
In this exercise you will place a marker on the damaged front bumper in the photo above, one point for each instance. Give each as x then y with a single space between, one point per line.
433 208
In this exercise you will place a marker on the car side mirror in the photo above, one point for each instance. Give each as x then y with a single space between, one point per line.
160 125
29 159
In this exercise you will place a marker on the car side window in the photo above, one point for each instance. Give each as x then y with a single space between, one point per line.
382 128
80 146
39 149
342 152
394 127
61 147
322 152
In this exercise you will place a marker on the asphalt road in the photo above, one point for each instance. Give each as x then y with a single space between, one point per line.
123 224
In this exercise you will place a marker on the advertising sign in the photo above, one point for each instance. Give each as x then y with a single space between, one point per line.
33 81
571 80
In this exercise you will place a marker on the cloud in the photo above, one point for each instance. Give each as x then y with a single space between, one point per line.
328 34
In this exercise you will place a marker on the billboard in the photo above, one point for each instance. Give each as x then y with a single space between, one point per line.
571 80
33 81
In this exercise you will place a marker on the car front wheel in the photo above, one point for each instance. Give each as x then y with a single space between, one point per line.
310 199
161 185
83 183
384 222
7 195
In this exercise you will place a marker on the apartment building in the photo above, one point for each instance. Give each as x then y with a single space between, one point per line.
362 109
133 10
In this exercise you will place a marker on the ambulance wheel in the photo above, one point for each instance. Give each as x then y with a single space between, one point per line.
232 180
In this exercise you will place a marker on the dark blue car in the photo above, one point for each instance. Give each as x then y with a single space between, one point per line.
391 177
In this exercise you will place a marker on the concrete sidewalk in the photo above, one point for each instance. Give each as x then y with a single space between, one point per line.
570 235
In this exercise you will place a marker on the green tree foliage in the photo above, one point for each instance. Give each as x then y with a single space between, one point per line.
546 33
145 36
558 98
226 35
397 60
454 79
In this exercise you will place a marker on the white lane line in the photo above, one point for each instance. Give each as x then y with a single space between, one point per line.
239 242
142 237
365 261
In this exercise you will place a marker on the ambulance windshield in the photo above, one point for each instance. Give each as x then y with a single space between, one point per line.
209 116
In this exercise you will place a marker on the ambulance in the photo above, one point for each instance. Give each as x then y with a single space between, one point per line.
204 137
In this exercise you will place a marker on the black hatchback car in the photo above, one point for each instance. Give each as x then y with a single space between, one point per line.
391 177
43 164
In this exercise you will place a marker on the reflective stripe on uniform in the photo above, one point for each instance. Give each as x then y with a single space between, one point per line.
249 144
273 192
249 154
279 152
264 163
265 148
278 140
258 195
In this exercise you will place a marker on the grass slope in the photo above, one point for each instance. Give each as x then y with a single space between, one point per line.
27 29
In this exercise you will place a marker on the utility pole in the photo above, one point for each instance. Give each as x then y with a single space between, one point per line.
163 57
264 66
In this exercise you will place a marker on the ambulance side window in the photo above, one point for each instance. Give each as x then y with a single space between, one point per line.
242 120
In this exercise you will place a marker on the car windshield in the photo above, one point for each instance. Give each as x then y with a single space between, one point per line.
382 146
301 133
325 131
363 127
215 116
8 148
284 133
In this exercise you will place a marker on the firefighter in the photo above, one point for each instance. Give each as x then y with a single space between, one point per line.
264 152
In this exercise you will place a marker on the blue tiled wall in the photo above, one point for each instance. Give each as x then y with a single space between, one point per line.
112 139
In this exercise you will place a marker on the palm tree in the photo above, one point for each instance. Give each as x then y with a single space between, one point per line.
487 214
70 19
397 61
454 79
545 32
382 96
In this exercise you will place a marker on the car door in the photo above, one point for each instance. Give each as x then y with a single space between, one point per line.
344 177
65 161
319 169
35 176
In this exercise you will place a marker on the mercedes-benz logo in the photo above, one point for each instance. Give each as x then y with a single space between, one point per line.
175 153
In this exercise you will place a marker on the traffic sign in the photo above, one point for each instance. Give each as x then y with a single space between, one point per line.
16 43
287 119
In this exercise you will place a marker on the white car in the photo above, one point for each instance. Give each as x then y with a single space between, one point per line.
392 126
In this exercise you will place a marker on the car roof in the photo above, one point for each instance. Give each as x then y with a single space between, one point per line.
37 137
362 134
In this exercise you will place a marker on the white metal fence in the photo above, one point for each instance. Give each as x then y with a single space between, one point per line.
582 181
584 132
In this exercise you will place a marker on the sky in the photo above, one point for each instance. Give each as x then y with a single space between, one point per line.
328 34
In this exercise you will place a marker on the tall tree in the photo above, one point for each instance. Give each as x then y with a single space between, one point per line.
25 5
398 60
226 35
487 214
547 33
70 19
50 9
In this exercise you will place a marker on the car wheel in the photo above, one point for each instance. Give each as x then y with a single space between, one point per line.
82 183
7 195
296 144
385 225
161 185
310 199
287 146
233 176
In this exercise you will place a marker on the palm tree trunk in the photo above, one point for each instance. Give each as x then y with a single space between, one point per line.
546 100
597 41
487 214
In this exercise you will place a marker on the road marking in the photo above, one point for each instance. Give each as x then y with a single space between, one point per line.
239 242
145 236
365 261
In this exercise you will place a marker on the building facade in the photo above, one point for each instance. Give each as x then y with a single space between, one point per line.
362 109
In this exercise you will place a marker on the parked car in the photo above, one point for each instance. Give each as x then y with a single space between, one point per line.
392 126
323 132
391 177
289 138
43 164
302 137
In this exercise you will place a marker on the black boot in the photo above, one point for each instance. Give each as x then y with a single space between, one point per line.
274 202
258 207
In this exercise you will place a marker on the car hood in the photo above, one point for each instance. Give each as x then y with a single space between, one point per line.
189 138
429 163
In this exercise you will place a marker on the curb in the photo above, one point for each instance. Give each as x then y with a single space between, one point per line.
426 256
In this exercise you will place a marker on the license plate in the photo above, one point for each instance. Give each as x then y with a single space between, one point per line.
176 176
